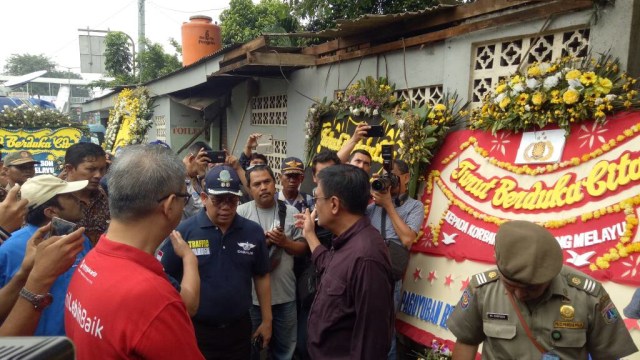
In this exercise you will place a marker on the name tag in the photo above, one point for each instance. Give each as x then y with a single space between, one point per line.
496 316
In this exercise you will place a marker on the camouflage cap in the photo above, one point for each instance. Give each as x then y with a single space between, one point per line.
527 253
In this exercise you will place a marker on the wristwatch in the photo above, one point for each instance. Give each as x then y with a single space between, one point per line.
39 301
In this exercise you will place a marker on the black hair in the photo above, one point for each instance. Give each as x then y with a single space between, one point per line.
349 183
36 215
402 166
259 156
322 157
360 151
253 168
77 153
196 146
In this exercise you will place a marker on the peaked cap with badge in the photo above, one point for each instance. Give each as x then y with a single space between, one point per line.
527 253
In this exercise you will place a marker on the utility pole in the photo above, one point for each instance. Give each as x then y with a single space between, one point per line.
141 26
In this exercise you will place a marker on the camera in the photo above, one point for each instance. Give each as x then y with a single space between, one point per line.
387 180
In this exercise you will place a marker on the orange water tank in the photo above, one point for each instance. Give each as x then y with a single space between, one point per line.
199 38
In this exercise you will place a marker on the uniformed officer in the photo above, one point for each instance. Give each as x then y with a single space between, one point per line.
533 307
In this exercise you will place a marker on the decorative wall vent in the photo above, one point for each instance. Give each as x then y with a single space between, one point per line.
269 110
496 60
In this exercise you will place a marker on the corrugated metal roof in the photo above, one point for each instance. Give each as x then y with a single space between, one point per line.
366 23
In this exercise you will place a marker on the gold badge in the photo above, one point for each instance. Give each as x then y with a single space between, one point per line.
575 280
492 274
567 312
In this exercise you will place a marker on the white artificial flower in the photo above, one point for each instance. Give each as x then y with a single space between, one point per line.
376 112
499 98
575 84
367 111
355 111
312 110
532 83
611 97
527 108
550 82
517 88
400 123
598 101
544 67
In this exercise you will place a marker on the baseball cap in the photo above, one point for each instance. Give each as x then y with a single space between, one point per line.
40 189
222 180
19 158
527 253
292 165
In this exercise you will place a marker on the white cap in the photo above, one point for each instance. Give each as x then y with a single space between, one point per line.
40 189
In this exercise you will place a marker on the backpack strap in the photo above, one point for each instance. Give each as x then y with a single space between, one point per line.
282 212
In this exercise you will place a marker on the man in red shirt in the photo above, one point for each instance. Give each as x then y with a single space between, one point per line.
120 304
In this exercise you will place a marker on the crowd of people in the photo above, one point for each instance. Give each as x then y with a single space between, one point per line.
162 257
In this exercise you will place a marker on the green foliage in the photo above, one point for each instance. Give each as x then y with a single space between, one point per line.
118 57
156 63
24 116
322 14
244 20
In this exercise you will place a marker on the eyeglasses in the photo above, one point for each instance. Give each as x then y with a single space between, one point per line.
182 195
229 199
316 198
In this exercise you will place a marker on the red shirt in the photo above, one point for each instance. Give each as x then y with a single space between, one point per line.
120 305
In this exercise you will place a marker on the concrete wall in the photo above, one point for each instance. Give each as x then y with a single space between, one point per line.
240 128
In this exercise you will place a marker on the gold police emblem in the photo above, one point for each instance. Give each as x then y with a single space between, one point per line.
567 312
575 280
492 275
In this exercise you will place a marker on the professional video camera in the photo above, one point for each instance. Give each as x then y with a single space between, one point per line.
387 180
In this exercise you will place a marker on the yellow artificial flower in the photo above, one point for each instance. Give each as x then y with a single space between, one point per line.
573 74
522 98
534 70
537 98
604 85
504 103
571 96
588 78
501 88
440 107
516 79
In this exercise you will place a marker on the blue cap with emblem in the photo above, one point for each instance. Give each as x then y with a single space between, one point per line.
222 180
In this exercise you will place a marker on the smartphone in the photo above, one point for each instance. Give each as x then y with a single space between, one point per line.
265 144
257 342
217 157
375 131
60 227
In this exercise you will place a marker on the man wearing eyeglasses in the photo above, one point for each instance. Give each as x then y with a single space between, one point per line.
352 312
284 241
292 176
119 304
231 252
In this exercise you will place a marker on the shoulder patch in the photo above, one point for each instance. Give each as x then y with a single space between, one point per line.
485 277
583 283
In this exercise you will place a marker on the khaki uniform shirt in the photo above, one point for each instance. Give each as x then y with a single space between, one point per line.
574 318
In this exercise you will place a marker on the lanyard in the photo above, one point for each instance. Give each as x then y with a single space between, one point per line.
524 324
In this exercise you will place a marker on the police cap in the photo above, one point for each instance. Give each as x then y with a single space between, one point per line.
527 253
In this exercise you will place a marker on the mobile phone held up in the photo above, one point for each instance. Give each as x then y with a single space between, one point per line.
60 227
217 157
375 131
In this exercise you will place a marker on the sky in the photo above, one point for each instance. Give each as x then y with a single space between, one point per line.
51 27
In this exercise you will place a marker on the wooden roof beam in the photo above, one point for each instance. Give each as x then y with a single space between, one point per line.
550 8
446 16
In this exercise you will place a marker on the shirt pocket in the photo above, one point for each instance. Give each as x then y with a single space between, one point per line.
570 338
334 287
496 330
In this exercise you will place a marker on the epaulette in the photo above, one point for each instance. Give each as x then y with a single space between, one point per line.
485 277
584 283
